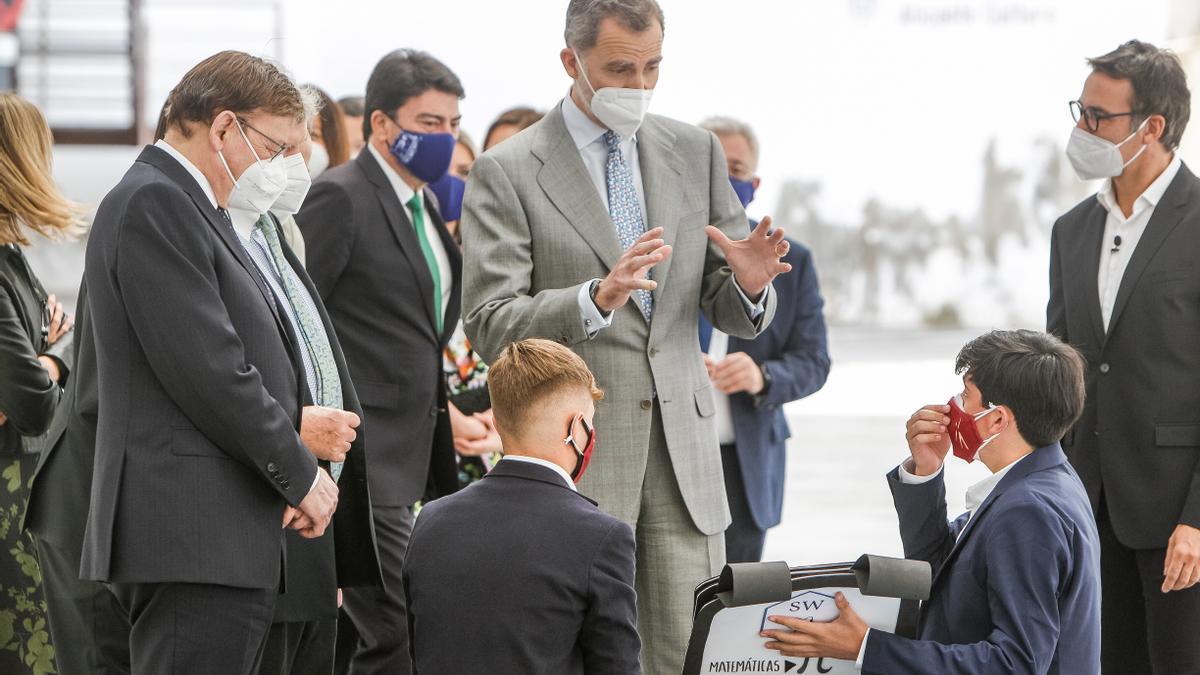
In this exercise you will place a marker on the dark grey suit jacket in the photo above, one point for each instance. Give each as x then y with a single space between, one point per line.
197 442
1138 441
364 258
519 574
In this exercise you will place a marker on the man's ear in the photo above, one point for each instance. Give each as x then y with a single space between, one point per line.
222 125
570 63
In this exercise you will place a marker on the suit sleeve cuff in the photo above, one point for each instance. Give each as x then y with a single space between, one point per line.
862 650
753 309
909 478
593 319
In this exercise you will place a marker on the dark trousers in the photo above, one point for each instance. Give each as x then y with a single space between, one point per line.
380 615
181 629
1143 629
744 539
299 648
88 627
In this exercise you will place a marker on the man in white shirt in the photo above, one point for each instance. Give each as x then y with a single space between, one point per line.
390 276
1016 584
1125 290
519 573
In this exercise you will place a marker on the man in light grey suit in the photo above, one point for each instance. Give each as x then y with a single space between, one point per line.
608 231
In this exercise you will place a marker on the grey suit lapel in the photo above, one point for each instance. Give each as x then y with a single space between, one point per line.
662 181
569 187
1167 216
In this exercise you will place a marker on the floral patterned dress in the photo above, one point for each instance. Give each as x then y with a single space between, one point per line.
466 384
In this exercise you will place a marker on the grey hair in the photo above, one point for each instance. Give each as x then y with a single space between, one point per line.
311 99
728 126
585 16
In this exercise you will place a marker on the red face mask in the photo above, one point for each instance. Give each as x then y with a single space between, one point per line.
582 455
964 435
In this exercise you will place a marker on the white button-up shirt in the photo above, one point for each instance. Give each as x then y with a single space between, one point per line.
1113 262
541 462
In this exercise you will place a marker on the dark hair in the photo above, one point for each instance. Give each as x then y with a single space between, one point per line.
520 117
231 80
401 75
1039 377
585 16
352 106
1159 85
333 128
160 128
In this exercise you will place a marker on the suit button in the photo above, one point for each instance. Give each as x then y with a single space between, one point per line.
653 352
271 468
285 484
647 404
565 339
1104 368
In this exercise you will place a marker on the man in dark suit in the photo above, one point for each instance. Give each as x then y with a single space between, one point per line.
1016 584
752 379
199 462
389 274
82 614
304 628
1123 290
519 573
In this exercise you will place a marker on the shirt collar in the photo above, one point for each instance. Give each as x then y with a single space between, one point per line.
190 168
978 493
403 191
541 462
582 129
1150 198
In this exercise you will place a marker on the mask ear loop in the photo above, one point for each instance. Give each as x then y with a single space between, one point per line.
991 409
1144 145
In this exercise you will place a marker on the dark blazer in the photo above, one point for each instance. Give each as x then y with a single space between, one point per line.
28 396
197 442
794 351
61 485
1017 592
1138 440
520 574
364 258
318 567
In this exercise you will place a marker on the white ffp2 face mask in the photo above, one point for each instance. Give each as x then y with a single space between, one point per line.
620 109
319 161
298 182
259 185
1094 157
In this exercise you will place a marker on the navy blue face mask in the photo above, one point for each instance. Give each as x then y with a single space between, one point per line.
744 190
426 156
449 191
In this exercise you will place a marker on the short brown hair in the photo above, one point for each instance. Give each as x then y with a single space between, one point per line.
28 195
231 80
1159 85
585 16
521 117
528 372
1039 377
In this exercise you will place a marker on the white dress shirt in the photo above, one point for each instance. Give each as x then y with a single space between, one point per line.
977 494
589 140
541 462
1113 263
718 349
405 193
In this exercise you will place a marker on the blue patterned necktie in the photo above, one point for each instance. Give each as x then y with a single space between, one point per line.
328 389
624 209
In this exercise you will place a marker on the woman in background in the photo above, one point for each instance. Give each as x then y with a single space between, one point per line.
33 336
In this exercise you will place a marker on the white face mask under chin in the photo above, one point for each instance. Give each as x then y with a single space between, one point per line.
1093 157
620 109
259 185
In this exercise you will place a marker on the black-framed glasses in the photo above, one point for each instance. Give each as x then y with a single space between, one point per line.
1092 117
282 147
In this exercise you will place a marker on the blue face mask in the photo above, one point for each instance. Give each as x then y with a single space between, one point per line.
426 156
744 190
449 191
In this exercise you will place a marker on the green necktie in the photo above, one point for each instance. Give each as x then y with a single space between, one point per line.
418 213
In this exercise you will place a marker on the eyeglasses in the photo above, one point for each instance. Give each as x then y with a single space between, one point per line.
1092 117
281 147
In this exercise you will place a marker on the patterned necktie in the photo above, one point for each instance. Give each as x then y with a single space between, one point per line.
312 330
435 271
624 209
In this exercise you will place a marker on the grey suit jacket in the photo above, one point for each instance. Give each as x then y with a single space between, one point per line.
535 229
